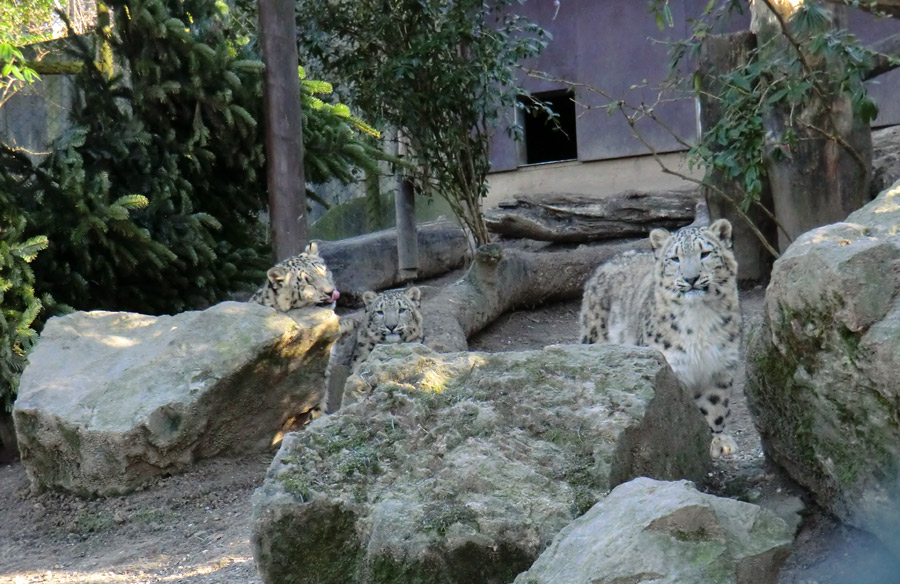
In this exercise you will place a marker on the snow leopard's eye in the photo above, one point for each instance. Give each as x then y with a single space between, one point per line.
704 254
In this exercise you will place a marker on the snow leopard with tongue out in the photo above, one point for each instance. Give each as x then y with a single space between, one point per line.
682 300
301 280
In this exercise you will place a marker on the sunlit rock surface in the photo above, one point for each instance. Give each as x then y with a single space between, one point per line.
110 400
824 371
462 467
665 533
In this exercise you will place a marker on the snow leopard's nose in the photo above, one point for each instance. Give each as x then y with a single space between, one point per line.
692 280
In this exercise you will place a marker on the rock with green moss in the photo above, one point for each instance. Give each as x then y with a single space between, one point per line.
111 400
823 370
665 533
461 467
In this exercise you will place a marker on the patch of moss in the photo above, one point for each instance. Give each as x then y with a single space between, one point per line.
693 535
319 546
296 483
91 522
384 569
362 460
471 563
438 516
855 446
777 392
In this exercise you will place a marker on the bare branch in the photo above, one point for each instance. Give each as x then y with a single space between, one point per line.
621 106
886 56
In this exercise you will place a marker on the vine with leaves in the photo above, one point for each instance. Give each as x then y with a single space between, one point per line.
806 60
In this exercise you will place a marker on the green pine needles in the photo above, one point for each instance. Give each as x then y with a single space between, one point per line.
18 305
151 200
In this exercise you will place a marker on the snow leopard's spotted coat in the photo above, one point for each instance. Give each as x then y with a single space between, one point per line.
391 316
298 281
682 300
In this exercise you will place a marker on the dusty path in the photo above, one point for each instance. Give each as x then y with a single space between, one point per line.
194 528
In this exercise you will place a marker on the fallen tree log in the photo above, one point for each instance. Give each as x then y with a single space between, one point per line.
369 262
503 279
574 218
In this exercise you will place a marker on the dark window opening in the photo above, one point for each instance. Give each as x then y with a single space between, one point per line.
546 138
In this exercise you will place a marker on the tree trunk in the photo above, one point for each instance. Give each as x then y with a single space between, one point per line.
824 175
284 133
573 218
370 262
719 55
500 280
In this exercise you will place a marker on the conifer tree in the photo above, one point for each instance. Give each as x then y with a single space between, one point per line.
152 198
18 304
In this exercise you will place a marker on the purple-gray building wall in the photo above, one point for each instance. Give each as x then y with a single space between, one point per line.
616 46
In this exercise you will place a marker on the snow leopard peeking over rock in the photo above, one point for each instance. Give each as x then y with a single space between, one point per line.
299 281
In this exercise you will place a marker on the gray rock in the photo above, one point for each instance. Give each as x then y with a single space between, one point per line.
823 370
652 531
461 467
110 400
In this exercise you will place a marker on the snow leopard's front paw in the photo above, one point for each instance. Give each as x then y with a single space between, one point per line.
722 445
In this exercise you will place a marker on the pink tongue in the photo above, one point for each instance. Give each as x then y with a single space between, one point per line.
335 295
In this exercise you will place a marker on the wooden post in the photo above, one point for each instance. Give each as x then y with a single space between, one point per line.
284 133
407 237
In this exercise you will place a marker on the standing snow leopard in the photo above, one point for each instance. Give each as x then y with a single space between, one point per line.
682 300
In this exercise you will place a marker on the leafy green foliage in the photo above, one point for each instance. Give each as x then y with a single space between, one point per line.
18 305
151 199
810 64
21 22
25 21
442 71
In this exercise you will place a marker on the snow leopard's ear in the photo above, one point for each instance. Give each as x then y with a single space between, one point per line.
278 275
658 238
369 297
721 228
414 294
312 249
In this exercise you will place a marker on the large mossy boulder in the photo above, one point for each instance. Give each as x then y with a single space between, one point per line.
110 400
461 467
823 370
665 533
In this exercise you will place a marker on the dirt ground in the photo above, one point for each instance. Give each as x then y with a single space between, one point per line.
194 528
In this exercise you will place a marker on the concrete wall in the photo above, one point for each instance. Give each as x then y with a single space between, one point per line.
36 115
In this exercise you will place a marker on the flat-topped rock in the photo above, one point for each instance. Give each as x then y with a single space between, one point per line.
665 533
110 400
461 467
